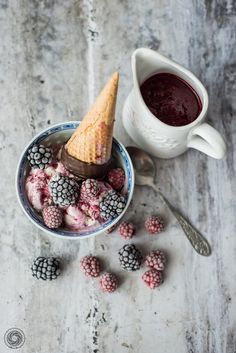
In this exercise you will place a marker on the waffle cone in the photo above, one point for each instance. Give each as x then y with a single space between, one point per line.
92 140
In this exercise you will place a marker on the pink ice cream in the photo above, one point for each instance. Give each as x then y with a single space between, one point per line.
76 219
37 189
56 168
87 211
37 185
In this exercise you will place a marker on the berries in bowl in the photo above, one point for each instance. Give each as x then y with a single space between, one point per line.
69 189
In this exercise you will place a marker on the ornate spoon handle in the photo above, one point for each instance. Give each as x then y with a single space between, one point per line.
199 243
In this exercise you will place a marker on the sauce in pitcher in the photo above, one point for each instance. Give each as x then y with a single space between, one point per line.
171 99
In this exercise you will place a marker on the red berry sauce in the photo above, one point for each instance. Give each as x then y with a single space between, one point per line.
171 99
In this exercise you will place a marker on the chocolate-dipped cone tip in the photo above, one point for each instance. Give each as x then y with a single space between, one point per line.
83 169
92 140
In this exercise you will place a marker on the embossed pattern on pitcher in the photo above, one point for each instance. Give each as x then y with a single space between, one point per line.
149 133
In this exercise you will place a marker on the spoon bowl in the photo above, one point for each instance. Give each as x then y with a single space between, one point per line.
144 166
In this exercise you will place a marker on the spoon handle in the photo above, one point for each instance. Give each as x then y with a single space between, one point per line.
199 243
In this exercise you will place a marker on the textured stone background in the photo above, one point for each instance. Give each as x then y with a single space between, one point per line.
54 58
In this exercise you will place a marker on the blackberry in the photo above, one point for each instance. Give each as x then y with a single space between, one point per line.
130 257
64 190
39 156
111 205
46 268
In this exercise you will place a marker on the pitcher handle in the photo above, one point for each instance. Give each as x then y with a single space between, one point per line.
207 140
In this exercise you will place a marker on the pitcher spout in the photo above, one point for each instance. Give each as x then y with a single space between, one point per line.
145 62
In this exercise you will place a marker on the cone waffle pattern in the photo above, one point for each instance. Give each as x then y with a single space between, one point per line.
92 140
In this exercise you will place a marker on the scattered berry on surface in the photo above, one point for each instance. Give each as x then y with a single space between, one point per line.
156 259
46 268
90 265
130 257
153 278
108 282
127 230
154 225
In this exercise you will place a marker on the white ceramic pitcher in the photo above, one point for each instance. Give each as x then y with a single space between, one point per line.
151 134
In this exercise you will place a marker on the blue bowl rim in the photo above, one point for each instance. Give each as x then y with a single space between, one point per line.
59 232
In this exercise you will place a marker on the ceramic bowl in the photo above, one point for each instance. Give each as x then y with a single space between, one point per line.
57 135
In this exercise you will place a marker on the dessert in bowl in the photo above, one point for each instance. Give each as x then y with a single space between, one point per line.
66 177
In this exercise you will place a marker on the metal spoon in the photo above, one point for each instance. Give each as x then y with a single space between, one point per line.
144 175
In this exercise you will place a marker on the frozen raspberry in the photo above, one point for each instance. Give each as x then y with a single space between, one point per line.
116 178
108 282
153 278
154 225
90 265
127 230
156 259
89 188
52 217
